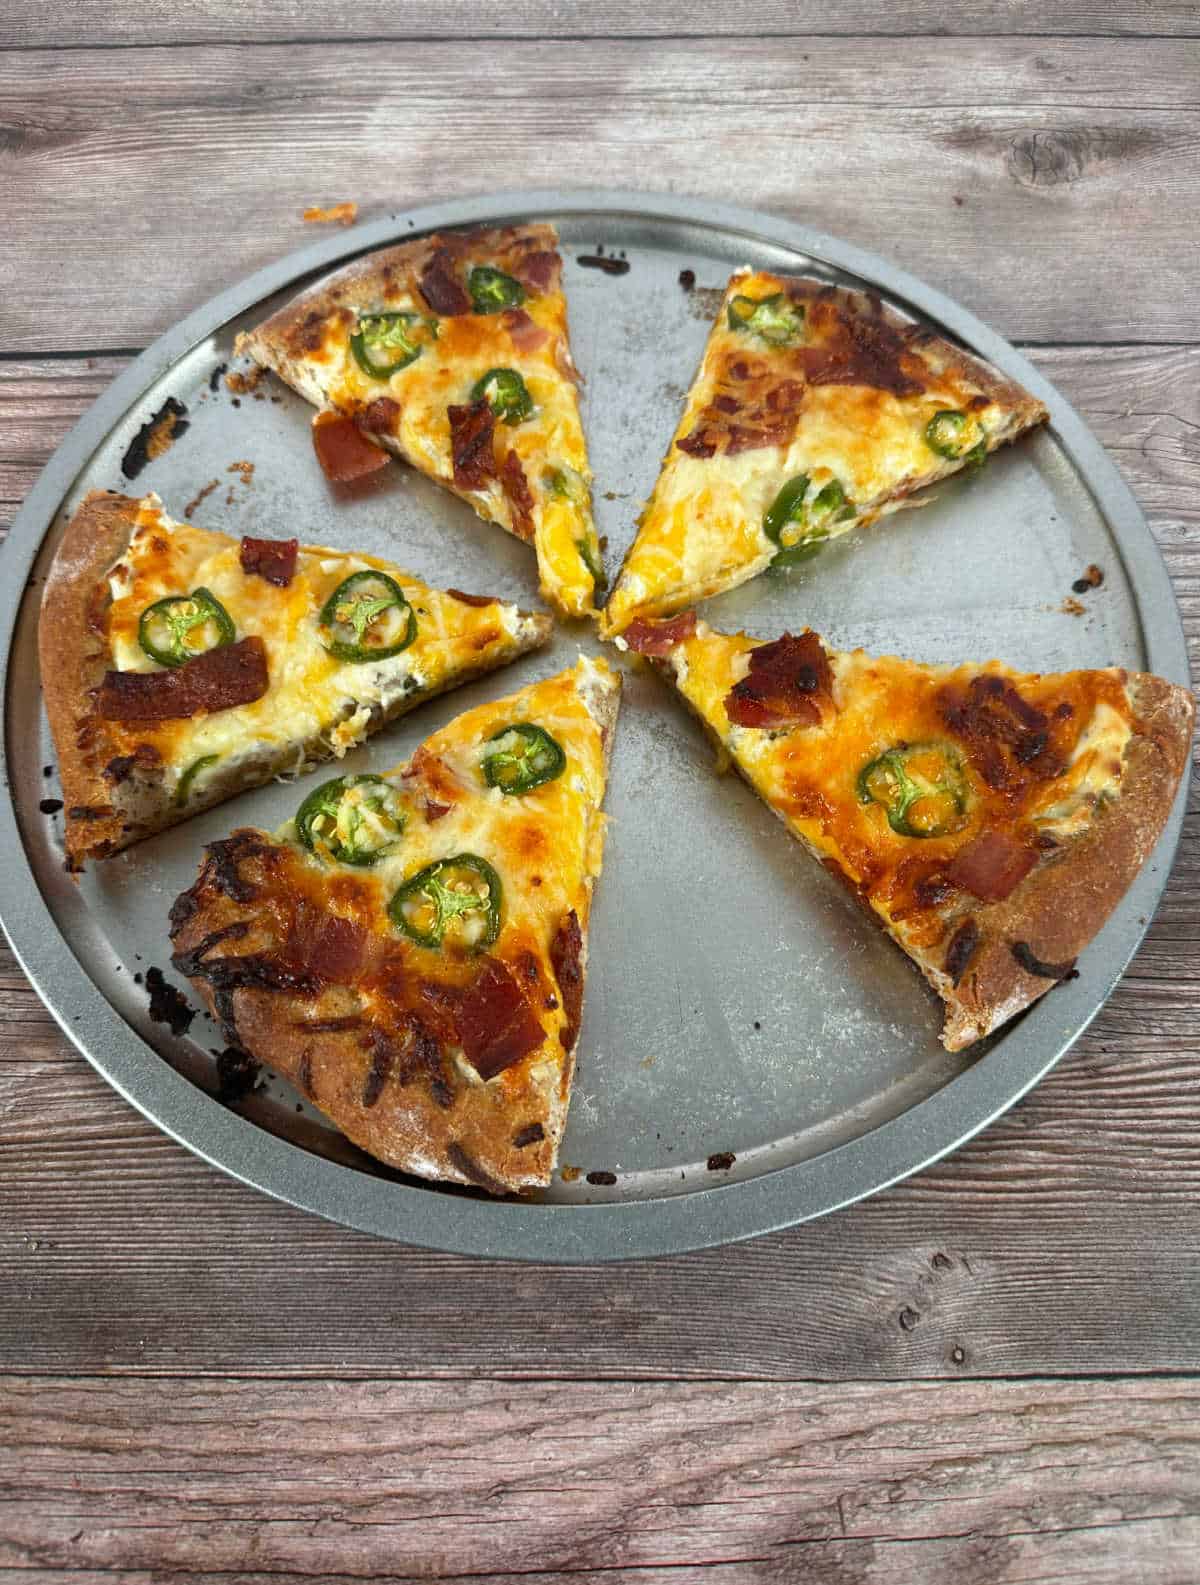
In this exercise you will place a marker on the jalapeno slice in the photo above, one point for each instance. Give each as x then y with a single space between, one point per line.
367 617
567 485
183 787
799 526
491 290
383 343
589 554
353 819
955 435
182 626
525 756
506 394
921 786
459 898
774 319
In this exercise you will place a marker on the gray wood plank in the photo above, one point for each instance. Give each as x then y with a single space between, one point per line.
369 1479
1065 1239
118 23
1014 172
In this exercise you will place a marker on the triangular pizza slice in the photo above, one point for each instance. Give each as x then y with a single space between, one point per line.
181 666
410 950
451 351
815 410
991 819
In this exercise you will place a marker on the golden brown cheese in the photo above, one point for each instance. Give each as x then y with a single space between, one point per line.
846 403
1046 786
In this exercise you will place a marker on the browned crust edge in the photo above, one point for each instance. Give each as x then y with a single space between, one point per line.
472 1142
73 657
1062 904
359 283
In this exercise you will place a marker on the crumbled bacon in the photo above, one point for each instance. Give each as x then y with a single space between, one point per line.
219 679
698 444
789 684
271 559
496 1025
520 497
540 271
1006 737
471 432
380 417
566 958
525 334
326 946
658 636
991 866
441 287
343 450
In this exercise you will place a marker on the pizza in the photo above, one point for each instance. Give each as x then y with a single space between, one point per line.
815 410
452 352
410 949
181 666
991 820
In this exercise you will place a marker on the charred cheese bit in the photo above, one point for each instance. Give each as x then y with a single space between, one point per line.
810 773
703 528
313 697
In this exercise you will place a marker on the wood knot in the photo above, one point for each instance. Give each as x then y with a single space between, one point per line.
1055 156
908 1318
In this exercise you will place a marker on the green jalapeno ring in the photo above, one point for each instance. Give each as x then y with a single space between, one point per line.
360 612
388 332
491 290
801 527
441 887
183 788
181 615
955 435
519 769
506 394
327 804
893 781
773 318
589 554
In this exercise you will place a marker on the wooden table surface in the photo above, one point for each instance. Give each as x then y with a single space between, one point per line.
989 1373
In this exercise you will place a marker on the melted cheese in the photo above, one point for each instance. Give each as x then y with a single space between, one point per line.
702 530
466 347
546 845
808 774
312 696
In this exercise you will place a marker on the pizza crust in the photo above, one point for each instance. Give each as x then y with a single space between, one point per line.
1064 902
470 1136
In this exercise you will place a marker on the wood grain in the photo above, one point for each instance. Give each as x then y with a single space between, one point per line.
370 1479
120 23
1013 171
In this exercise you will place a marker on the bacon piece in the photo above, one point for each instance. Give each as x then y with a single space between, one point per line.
441 287
541 271
325 946
380 417
271 559
743 438
219 679
524 333
650 635
698 444
343 450
789 684
1006 737
520 497
472 599
992 866
496 1025
724 403
566 958
471 431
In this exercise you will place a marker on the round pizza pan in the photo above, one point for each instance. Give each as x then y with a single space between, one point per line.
754 1051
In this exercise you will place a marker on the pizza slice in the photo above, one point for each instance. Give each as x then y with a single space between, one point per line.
180 666
815 410
451 351
992 820
410 950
